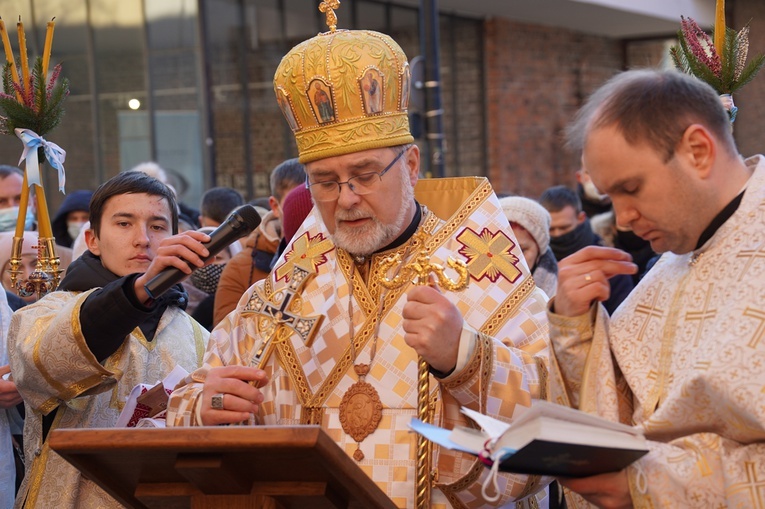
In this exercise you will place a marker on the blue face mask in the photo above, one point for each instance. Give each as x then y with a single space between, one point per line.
8 217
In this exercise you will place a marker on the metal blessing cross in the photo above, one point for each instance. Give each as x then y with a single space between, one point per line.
279 316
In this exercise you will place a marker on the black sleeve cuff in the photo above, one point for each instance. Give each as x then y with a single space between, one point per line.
109 314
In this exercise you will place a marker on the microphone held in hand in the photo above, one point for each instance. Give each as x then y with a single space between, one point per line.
240 223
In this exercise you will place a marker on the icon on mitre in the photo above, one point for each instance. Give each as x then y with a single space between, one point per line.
372 91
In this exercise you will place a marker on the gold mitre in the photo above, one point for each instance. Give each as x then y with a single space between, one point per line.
344 91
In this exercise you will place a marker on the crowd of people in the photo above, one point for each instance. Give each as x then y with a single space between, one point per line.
635 296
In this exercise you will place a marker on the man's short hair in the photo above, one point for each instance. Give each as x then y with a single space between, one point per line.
285 176
130 182
219 202
652 107
7 170
556 198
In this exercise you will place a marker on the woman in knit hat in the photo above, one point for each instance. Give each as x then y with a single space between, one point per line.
531 225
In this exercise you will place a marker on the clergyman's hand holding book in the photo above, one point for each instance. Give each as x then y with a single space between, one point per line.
545 439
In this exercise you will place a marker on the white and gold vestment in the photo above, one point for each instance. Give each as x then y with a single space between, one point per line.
504 345
683 358
54 369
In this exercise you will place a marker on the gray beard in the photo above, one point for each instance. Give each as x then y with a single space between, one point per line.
378 235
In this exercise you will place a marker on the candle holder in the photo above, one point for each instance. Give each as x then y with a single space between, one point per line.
47 274
32 105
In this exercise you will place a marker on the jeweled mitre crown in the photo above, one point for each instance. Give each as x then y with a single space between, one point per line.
345 91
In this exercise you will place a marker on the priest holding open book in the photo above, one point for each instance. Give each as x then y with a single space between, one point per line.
683 356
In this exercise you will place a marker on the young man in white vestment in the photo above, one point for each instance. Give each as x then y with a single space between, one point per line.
485 347
683 356
77 353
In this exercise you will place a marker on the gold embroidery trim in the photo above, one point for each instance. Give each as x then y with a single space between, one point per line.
141 338
289 360
37 471
365 334
508 308
474 201
38 329
199 341
667 345
451 490
471 368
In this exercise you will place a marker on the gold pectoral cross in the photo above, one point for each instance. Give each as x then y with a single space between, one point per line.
419 272
279 316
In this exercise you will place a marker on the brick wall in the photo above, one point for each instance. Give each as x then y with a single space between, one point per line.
749 128
536 79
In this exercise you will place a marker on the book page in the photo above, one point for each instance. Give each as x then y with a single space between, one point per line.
563 413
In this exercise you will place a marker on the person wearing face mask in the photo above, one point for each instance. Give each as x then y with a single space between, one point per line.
11 182
593 201
203 283
71 217
625 239
570 231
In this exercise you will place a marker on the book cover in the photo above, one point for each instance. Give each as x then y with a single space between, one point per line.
545 439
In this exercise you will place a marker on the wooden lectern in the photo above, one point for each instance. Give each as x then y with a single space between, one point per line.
232 467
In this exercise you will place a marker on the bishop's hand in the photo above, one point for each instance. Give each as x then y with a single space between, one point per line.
432 326
231 394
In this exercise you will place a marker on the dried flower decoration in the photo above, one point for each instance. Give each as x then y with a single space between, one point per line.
726 72
31 101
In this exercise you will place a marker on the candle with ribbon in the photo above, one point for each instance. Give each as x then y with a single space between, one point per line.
31 108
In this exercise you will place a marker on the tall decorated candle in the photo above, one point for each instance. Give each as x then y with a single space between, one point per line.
48 45
720 27
9 56
23 57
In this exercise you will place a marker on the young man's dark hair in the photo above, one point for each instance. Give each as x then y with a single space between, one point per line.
556 198
130 182
286 176
219 202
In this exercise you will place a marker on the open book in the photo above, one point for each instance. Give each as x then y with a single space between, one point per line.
545 439
146 405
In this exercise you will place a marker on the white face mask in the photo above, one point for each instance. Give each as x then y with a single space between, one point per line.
591 192
9 216
73 228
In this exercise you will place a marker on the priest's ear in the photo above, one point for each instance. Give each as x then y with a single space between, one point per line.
698 147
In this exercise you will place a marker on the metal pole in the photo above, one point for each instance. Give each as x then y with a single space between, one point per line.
429 45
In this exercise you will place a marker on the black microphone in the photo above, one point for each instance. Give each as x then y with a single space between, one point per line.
238 224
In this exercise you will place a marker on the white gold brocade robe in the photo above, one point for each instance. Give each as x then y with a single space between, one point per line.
53 367
684 358
504 362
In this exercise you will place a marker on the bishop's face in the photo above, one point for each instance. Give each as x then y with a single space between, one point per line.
364 223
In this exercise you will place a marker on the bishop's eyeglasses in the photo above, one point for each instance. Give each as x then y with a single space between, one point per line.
366 183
